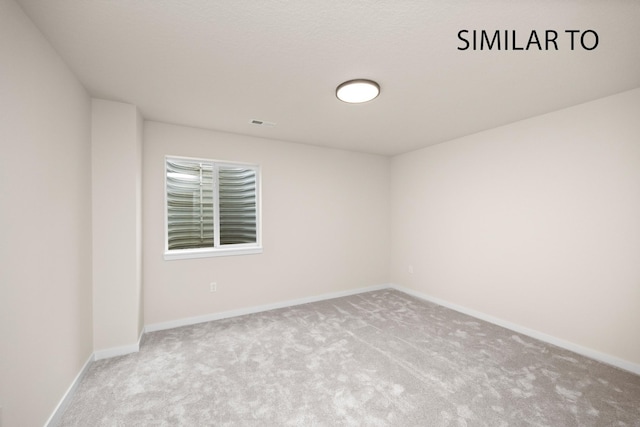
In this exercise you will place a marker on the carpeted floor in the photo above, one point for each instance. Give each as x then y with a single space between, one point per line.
375 359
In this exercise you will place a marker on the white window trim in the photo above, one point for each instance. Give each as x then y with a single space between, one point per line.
227 250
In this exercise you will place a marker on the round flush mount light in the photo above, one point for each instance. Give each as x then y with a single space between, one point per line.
357 91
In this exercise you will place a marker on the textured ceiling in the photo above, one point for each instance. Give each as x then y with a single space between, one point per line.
220 64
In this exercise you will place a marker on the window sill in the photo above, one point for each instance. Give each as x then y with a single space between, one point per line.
207 253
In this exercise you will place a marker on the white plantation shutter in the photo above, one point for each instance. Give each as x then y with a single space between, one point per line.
211 205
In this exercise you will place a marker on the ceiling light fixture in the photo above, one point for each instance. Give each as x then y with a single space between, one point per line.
358 91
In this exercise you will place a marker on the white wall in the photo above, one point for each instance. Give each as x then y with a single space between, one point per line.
116 196
325 225
536 223
45 212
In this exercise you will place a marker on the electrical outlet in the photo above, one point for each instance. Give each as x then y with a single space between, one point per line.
213 287
411 269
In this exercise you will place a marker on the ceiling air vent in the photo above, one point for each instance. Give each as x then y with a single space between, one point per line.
262 123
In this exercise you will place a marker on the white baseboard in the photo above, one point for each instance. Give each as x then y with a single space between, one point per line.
133 348
257 309
54 419
567 345
97 355
119 351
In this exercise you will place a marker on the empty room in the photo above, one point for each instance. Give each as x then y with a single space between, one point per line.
319 213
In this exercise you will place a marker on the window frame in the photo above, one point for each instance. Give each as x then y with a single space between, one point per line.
220 250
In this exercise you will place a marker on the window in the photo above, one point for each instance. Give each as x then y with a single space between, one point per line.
212 208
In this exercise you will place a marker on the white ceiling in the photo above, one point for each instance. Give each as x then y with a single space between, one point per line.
219 64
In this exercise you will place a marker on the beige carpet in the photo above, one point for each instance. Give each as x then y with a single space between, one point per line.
375 359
